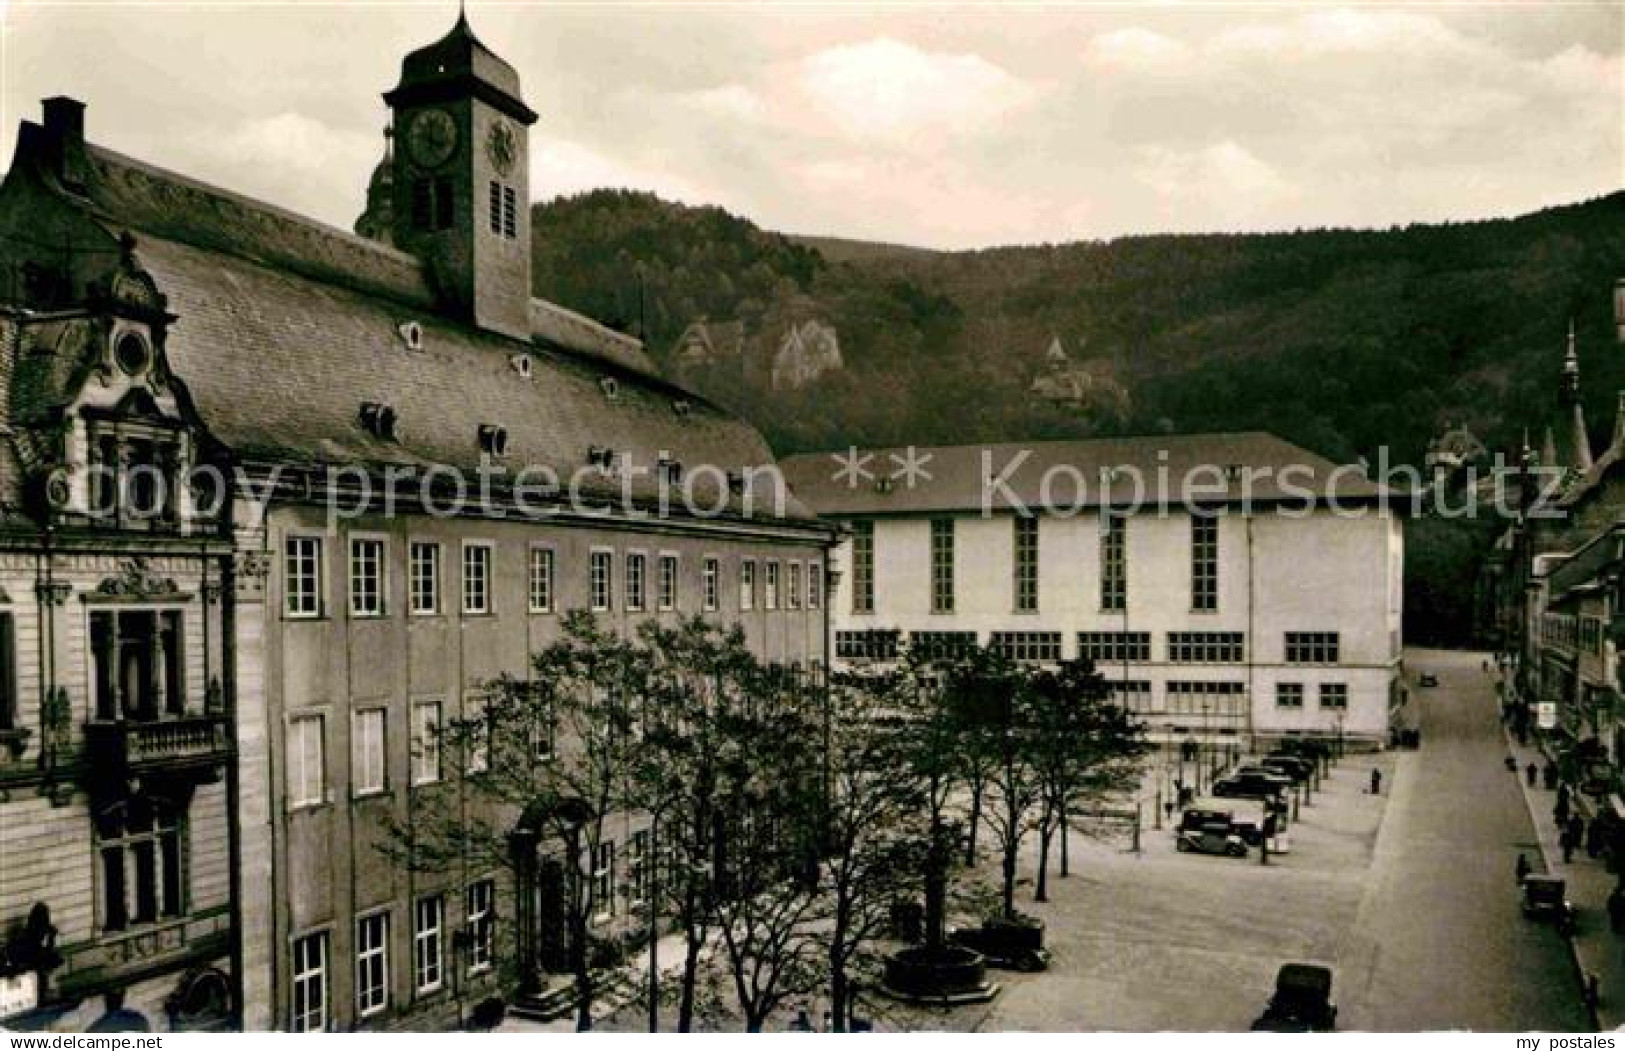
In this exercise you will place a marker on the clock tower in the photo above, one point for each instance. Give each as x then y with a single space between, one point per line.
461 186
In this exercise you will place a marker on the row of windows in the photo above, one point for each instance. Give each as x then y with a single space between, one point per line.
1102 647
1561 629
1113 564
369 592
1221 699
312 988
1333 696
369 752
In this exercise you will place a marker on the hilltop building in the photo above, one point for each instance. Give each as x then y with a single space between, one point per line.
1090 387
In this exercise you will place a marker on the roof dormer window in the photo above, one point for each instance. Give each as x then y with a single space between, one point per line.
521 364
611 387
682 407
412 335
132 353
378 420
493 440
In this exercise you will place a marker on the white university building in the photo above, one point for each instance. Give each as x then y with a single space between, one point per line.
1235 588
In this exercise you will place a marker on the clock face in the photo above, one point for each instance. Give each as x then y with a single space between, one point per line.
432 137
503 147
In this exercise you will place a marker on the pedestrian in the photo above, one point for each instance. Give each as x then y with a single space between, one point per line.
1549 776
1577 830
1566 841
1594 839
1530 772
1522 868
1376 782
1560 812
1592 993
1616 909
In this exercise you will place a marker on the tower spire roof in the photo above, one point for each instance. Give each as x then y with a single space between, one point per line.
456 64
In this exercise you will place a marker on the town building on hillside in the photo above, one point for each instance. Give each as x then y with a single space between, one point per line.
1234 588
1558 613
1089 387
784 349
408 379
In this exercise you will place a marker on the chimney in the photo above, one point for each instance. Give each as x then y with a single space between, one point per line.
65 134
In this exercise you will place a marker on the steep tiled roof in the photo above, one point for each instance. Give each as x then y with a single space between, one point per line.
284 327
1175 469
131 194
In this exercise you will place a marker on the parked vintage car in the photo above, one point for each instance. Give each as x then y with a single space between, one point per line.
1215 837
1292 766
1250 785
1302 1002
1545 898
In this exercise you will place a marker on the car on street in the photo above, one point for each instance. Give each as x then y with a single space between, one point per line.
1251 784
1545 898
1302 1002
1215 837
1295 767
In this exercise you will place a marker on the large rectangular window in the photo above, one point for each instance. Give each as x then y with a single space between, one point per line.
307 760
1207 647
668 582
770 585
142 879
1216 700
634 580
428 943
1289 695
873 644
603 882
139 662
1043 647
302 576
863 567
1114 647
747 584
1133 695
942 565
541 579
1026 564
367 746
476 578
1204 563
8 672
1113 563
711 580
425 577
792 586
1312 647
1334 696
942 645
601 570
482 904
815 585
367 578
309 984
371 964
425 742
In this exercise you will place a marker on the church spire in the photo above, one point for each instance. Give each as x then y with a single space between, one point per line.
1575 424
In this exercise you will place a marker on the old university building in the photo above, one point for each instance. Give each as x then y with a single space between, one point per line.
213 697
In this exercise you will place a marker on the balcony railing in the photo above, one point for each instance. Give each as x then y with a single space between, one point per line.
133 746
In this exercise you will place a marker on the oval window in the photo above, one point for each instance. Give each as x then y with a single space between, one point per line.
131 353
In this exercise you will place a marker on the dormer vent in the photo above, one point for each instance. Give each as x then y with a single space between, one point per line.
682 407
412 335
378 420
493 440
611 387
522 365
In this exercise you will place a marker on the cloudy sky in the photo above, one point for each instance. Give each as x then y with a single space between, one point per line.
947 126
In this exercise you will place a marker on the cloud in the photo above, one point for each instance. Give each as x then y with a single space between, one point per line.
885 88
561 167
1221 183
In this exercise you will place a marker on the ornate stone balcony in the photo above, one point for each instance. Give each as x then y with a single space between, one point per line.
136 747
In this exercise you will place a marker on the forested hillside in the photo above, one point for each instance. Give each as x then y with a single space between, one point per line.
1344 341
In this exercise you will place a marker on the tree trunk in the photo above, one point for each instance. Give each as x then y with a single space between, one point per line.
936 889
839 992
1066 834
975 821
691 976
1046 831
1010 878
